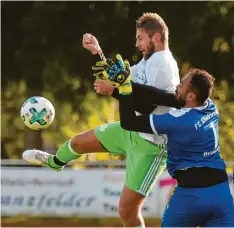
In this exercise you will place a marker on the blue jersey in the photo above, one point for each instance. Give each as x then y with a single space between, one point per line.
193 139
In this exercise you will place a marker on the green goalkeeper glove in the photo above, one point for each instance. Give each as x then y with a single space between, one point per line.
118 72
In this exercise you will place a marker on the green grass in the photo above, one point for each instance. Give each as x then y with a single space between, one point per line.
25 221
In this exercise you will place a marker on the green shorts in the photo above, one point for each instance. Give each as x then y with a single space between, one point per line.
145 161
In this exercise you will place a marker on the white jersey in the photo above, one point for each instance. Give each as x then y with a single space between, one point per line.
161 71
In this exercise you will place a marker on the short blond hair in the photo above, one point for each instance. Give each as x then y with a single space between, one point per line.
152 23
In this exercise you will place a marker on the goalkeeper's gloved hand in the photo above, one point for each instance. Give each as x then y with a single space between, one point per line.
118 72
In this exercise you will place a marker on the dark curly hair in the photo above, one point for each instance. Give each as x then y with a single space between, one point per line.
202 84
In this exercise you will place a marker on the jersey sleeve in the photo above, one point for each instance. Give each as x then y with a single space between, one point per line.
168 122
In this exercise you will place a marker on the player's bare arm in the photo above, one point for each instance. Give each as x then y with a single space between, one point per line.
91 43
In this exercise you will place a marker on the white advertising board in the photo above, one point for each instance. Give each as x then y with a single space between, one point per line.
87 192
94 192
44 192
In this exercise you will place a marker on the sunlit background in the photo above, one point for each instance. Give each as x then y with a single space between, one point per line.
42 55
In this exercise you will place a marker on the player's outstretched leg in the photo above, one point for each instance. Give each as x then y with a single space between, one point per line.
83 143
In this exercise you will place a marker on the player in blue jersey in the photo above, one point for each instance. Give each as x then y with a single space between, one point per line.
202 197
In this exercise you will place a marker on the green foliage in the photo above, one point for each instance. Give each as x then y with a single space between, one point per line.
226 125
42 55
12 128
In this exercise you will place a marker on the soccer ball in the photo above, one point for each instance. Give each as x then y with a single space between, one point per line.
37 113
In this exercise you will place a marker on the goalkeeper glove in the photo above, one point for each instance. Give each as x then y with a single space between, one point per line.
117 72
114 71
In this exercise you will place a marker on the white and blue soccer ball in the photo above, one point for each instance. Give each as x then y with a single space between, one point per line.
37 113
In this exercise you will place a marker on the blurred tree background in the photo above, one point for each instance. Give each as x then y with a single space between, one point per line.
42 54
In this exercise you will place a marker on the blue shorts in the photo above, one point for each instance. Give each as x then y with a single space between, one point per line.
209 207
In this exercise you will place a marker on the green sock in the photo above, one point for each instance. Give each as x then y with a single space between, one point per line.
64 154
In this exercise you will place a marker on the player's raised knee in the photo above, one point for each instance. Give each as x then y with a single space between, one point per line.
86 142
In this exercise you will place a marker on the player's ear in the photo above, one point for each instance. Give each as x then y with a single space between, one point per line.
156 37
191 96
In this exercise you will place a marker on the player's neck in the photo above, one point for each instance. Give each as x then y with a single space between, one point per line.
161 47
192 104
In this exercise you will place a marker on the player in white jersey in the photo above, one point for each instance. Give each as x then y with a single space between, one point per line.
160 71
145 154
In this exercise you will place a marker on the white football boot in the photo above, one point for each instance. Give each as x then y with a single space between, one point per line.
38 157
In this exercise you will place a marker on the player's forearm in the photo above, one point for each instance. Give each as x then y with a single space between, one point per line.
154 96
129 120
148 96
140 105
115 94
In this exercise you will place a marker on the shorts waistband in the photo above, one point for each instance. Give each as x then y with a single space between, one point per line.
200 177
